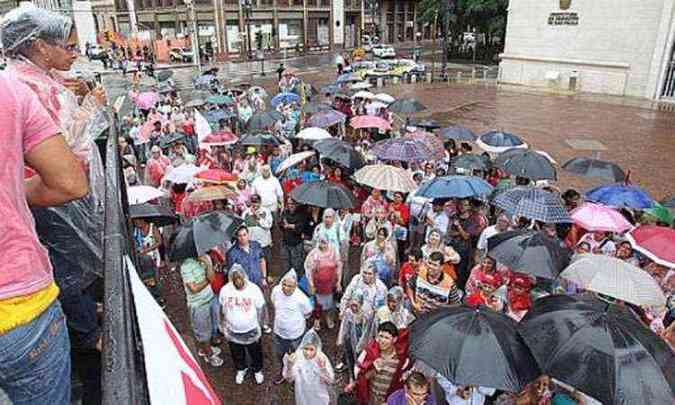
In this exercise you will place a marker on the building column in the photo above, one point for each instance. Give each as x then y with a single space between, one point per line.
415 27
331 26
275 26
243 44
305 20
396 21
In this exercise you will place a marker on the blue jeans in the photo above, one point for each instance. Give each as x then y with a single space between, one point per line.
35 360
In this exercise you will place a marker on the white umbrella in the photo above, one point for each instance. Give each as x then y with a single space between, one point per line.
182 174
293 160
385 98
313 134
615 278
361 86
143 194
363 94
386 177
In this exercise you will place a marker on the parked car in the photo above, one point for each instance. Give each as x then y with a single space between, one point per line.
180 55
369 42
383 51
96 52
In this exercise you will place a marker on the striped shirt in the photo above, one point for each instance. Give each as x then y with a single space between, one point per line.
433 295
380 382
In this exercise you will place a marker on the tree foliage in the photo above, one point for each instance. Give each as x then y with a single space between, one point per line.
487 16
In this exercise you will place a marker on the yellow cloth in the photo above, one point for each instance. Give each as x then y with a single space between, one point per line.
18 311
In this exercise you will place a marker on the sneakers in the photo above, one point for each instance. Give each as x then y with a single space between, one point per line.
259 377
266 329
215 351
239 378
340 367
215 361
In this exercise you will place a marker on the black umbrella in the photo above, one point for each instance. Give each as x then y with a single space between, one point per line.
259 140
313 108
426 124
325 194
264 119
202 233
526 163
470 162
530 252
167 140
589 167
406 106
601 349
458 133
473 346
164 75
157 214
340 152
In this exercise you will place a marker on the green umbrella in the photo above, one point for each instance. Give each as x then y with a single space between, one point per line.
219 100
661 213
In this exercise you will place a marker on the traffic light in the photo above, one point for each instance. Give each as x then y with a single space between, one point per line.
259 40
107 36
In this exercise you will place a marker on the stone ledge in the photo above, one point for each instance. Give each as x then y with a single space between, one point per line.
612 65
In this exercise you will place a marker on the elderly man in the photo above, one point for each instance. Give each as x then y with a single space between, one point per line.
503 224
291 308
269 190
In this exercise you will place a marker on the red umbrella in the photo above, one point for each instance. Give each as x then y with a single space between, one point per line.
655 242
216 176
370 121
220 138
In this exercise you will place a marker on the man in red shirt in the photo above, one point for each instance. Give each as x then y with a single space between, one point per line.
409 268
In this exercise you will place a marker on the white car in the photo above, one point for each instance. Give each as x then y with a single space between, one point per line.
383 51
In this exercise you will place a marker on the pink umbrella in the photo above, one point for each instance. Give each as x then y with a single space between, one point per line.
220 138
655 242
369 121
596 217
147 100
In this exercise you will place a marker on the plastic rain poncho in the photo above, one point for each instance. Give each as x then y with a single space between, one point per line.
313 377
73 232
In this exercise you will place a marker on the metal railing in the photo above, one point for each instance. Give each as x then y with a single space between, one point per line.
123 374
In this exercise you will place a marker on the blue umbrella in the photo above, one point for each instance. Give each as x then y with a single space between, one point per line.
458 133
621 196
455 187
498 141
285 98
533 203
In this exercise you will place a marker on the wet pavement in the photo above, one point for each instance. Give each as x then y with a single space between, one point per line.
639 139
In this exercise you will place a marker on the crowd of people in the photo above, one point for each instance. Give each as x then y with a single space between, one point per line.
366 270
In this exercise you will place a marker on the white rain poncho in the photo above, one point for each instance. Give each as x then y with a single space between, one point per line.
313 378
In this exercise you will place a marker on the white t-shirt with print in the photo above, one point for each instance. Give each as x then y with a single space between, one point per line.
241 307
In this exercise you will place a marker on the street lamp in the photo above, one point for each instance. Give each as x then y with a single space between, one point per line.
246 5
196 57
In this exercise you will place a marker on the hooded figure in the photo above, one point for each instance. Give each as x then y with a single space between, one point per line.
310 369
395 311
356 327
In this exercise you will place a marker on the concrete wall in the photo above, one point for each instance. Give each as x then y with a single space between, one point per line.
612 48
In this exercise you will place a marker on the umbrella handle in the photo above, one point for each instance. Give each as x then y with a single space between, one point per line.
626 180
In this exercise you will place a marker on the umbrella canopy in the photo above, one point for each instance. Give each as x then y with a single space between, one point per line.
143 194
326 119
406 106
165 88
533 203
216 176
259 140
455 187
182 174
164 75
220 100
403 149
330 89
313 108
211 193
156 214
655 242
203 81
432 141
621 196
220 138
596 217
264 119
615 278
386 177
526 163
348 77
385 98
426 124
198 102
360 86
293 160
166 140
370 121
473 346
470 162
325 194
499 142
147 100
364 94
669 203
258 91
530 252
214 116
458 133
588 167
201 234
600 349
340 152
661 213
285 98
313 134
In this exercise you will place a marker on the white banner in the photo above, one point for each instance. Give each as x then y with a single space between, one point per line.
202 127
173 374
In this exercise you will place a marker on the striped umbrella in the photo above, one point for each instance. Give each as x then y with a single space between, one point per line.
533 203
403 149
386 177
